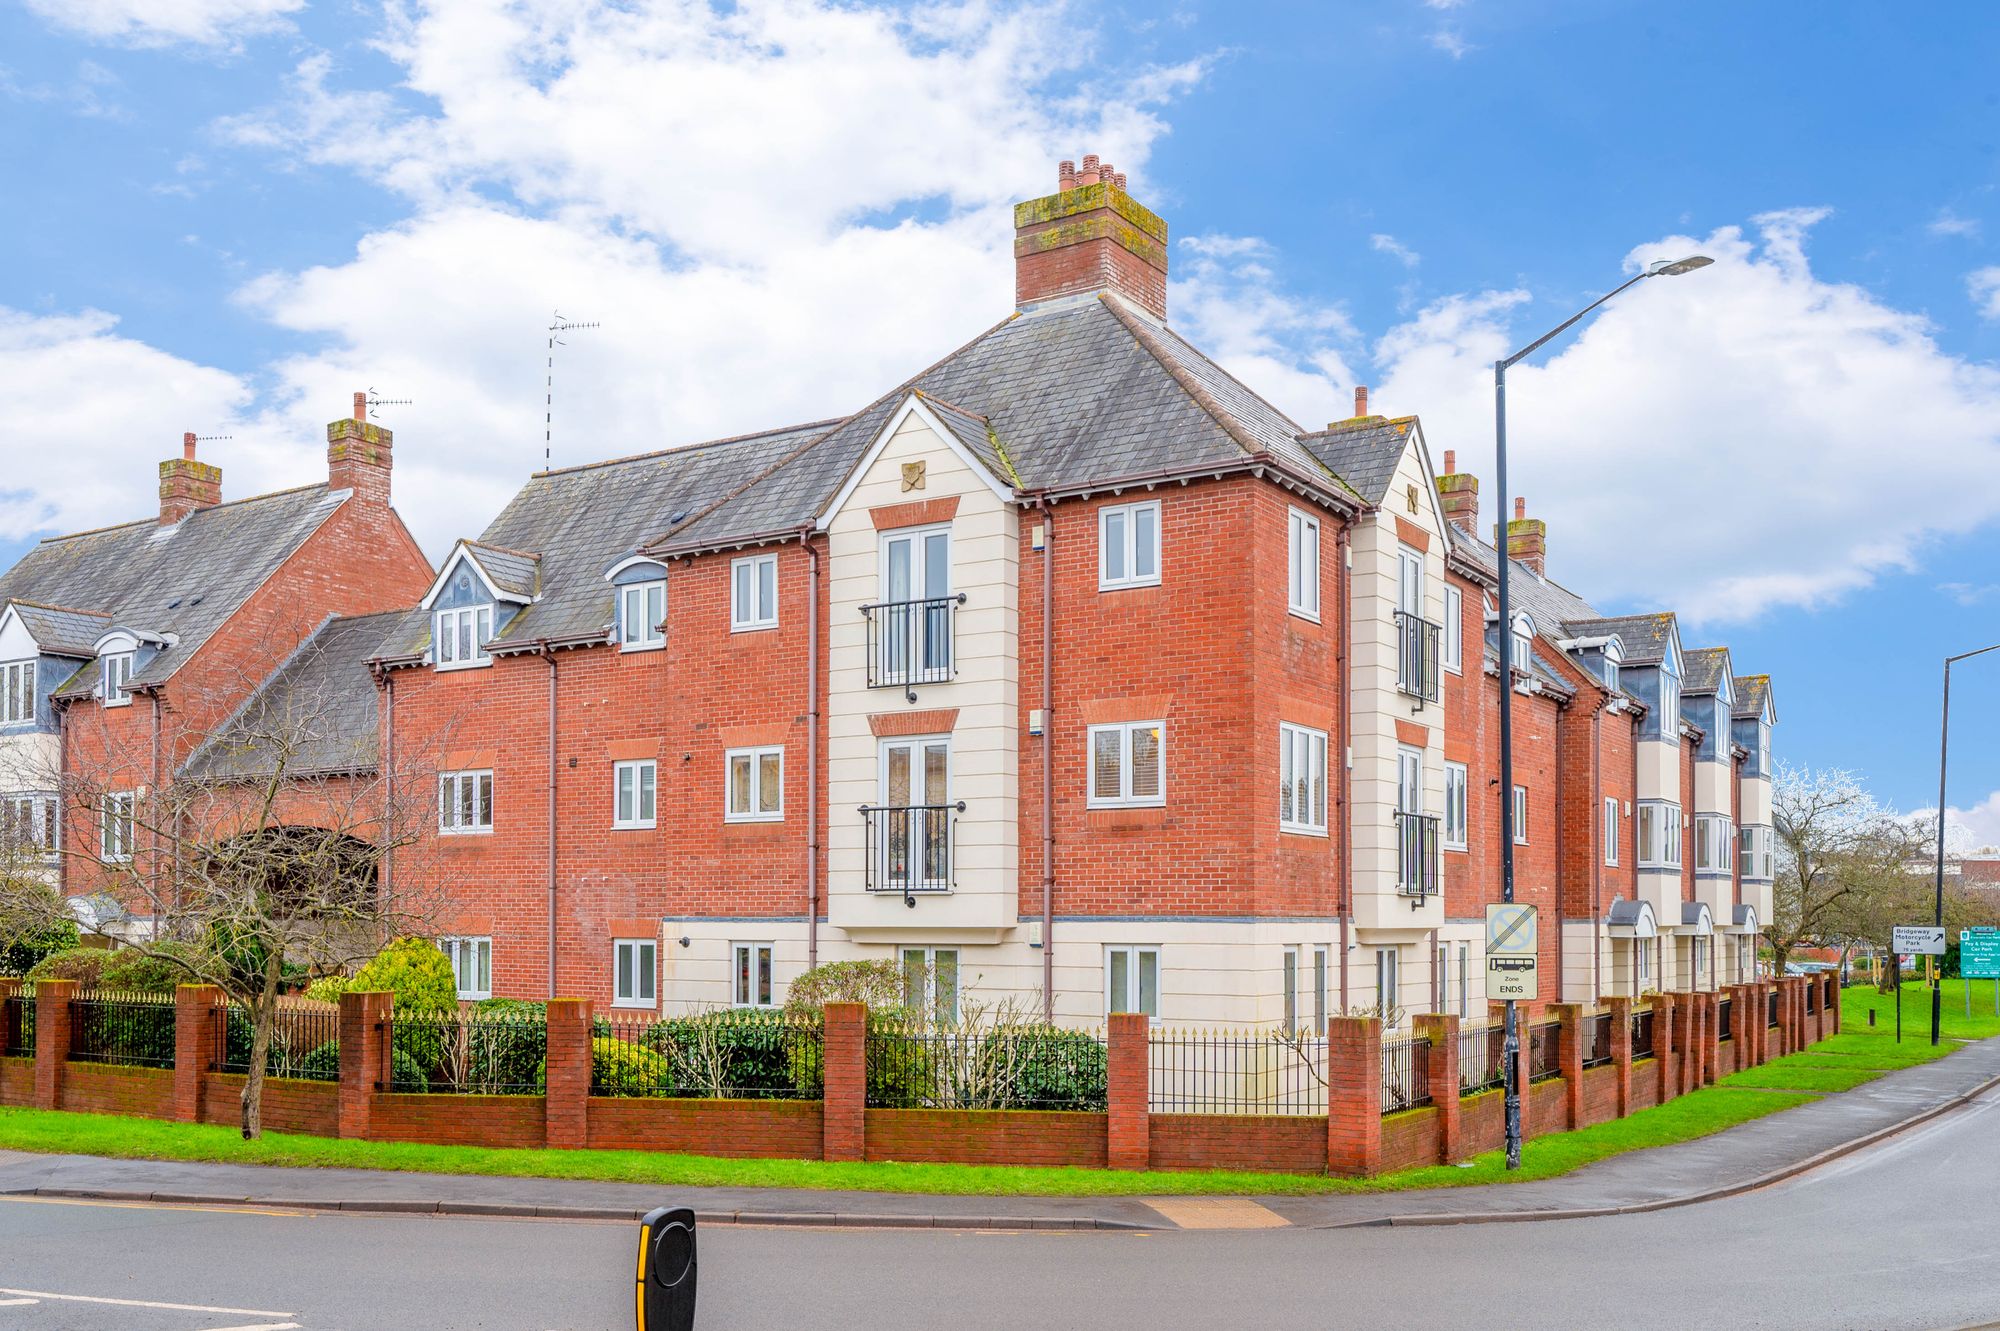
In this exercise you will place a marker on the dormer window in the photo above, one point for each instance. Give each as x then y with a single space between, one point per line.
642 606
1670 702
1524 636
117 676
1614 656
459 636
17 692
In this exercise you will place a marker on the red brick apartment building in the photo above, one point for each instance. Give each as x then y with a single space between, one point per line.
1068 667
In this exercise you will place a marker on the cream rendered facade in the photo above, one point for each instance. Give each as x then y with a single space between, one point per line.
30 756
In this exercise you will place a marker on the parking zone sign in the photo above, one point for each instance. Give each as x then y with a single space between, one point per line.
1510 952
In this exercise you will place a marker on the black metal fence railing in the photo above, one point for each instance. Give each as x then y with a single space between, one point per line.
1544 1051
470 1053
1642 1033
917 1065
305 1042
1597 1040
1417 656
1417 855
910 642
1724 1019
1406 1073
134 1030
1771 1008
728 1054
1218 1072
17 1024
909 847
1482 1058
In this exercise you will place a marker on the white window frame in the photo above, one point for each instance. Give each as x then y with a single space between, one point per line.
1614 661
1133 999
117 826
1294 743
1302 564
1288 985
1713 833
1666 854
1611 829
1754 852
644 969
450 802
1464 980
642 609
1642 965
1521 639
32 823
748 612
1670 704
1126 518
644 774
1453 650
1126 774
1322 963
117 673
1455 835
474 951
916 643
755 811
1520 815
936 998
444 636
17 692
753 975
1388 982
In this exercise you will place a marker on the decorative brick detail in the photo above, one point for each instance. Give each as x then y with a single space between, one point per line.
1621 1052
1442 1029
1569 1057
1353 1096
1413 733
362 1067
566 1114
1410 534
929 721
1130 1144
917 513
845 1125
197 1021
52 999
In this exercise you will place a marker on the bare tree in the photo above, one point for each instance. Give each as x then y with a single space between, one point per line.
1847 868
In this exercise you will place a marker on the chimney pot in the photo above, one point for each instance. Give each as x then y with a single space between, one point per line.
359 455
187 445
361 406
1451 462
1527 538
1090 161
1520 507
187 486
1361 400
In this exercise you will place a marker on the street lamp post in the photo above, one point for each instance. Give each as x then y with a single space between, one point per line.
1512 1047
1944 743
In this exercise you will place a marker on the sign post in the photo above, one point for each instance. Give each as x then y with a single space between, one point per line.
1921 940
1979 959
1510 976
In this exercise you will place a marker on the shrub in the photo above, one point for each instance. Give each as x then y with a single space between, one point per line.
1052 1067
153 971
902 1070
415 971
323 1062
328 988
510 1052
85 965
23 945
287 1054
728 1052
879 984
404 1074
621 1068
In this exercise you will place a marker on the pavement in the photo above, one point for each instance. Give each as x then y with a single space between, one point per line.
1752 1155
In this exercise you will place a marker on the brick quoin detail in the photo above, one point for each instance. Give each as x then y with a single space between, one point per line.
1129 1144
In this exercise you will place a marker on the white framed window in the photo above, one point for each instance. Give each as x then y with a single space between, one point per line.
635 789
117 676
1128 545
753 593
1659 834
1293 980
1464 981
1132 980
930 982
1303 564
642 607
1755 839
1454 630
1713 842
1523 639
915 639
1614 657
1301 779
28 825
635 967
756 785
1322 974
1441 979
458 637
1610 829
465 802
1670 703
1128 765
1642 966
1288 980
471 965
1520 815
750 970
1386 981
17 692
1454 806
116 825
911 824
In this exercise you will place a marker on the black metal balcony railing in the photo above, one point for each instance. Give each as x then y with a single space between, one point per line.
910 847
910 642
1417 656
1417 855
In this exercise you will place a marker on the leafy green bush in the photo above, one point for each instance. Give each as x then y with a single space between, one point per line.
328 988
153 971
1050 1067
621 1068
739 1054
902 1073
510 1050
879 984
415 971
322 1063
288 1051
25 943
85 965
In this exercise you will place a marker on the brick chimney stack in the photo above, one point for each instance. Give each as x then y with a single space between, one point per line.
187 485
1527 538
1360 400
358 455
1089 236
1458 495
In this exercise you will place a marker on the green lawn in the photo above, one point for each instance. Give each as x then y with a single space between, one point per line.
1794 1074
1856 1002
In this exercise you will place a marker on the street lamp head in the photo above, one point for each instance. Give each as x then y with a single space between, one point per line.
1676 267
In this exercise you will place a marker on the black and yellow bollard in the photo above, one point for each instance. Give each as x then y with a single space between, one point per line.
663 1297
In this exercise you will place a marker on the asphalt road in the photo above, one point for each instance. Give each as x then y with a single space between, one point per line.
1898 1236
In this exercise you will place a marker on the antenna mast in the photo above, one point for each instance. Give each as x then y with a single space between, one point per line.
375 401
557 327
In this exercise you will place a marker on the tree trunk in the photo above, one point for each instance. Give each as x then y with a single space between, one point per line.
263 1023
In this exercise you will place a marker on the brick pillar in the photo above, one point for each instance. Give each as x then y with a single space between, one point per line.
1443 1074
1687 1040
1788 1016
196 1021
362 1057
1129 1140
1353 1096
1621 1052
1569 1057
1833 992
1664 1036
566 1108
846 1105
51 1039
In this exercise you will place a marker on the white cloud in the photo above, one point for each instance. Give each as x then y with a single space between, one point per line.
1747 436
1383 243
1984 286
1976 826
1451 43
166 22
1969 593
1443 4
1949 223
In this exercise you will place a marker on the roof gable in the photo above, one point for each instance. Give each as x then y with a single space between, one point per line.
967 436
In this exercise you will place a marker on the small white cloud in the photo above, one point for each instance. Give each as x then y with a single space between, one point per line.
1443 4
1451 43
1384 243
1216 246
1949 223
1970 593
166 22
1984 285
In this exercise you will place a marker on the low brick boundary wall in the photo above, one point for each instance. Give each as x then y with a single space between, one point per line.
1353 1136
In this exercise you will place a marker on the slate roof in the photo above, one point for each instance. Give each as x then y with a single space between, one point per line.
1703 669
1364 453
184 580
61 632
1752 693
516 573
1644 637
320 703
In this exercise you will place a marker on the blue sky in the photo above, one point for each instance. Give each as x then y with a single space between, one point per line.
229 213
